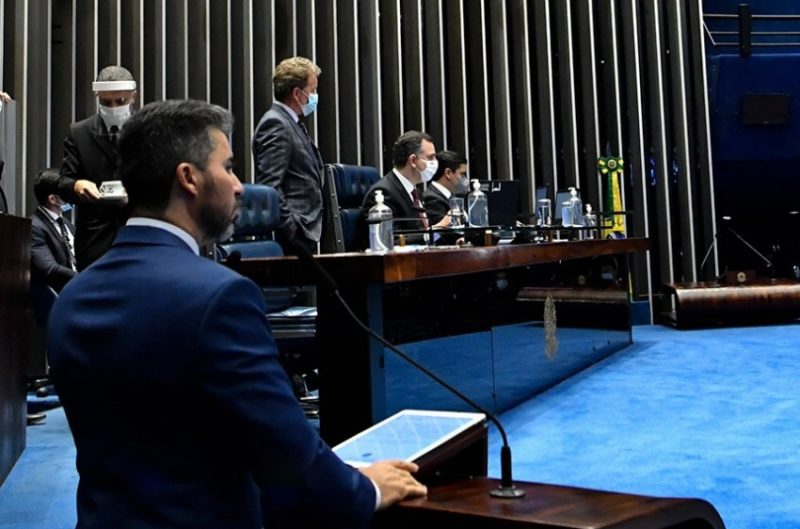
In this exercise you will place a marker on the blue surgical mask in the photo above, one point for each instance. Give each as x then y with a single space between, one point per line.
66 207
311 105
462 186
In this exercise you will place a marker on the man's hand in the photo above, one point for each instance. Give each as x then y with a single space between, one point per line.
86 190
4 97
395 481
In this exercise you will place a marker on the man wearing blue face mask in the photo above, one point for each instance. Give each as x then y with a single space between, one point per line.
90 158
286 157
450 180
52 236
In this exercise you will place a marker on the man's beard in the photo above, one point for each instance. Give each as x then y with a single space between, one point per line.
217 226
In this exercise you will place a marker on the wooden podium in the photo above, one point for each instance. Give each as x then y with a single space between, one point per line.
466 504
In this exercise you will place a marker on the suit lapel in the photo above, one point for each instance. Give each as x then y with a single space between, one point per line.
55 235
304 137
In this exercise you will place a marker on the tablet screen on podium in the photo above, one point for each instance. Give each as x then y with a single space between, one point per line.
406 435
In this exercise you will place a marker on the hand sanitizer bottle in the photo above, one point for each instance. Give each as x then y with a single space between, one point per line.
381 232
477 206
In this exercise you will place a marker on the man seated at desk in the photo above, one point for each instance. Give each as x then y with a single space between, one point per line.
450 180
414 159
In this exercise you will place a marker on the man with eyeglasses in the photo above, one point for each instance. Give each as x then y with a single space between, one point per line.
90 158
286 157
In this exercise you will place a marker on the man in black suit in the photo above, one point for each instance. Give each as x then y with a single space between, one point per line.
90 158
414 160
450 180
52 236
287 159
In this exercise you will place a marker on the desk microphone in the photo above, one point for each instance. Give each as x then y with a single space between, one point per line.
506 488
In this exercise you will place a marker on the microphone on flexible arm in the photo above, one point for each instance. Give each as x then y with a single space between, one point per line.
506 488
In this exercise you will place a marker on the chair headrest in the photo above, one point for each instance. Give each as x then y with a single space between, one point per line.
352 183
259 213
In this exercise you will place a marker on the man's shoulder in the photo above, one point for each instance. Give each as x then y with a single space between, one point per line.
84 124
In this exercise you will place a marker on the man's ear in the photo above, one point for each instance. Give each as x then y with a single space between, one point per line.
188 178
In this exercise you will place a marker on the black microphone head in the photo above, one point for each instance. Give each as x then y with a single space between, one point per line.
234 258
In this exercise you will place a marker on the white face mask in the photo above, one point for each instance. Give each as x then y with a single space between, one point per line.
115 116
430 169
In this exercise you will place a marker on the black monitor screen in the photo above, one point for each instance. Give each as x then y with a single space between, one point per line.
503 199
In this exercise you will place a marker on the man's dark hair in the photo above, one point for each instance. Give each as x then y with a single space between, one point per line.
448 160
159 137
45 183
407 144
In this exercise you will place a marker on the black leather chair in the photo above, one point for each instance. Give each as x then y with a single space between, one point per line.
293 326
346 186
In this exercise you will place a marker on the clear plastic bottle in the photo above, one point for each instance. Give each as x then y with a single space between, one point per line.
477 206
576 206
590 221
381 231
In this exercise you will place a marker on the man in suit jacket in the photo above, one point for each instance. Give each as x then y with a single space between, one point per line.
52 236
287 159
414 160
90 158
450 179
165 364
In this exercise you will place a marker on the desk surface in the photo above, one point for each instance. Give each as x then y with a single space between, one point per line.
466 503
397 267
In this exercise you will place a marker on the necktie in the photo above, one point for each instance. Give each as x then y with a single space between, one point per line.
65 241
113 132
313 145
420 209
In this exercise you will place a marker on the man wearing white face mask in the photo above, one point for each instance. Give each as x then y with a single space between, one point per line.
414 160
90 158
286 157
450 180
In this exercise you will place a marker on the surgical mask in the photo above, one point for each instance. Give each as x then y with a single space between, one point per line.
462 186
430 169
66 207
311 105
115 116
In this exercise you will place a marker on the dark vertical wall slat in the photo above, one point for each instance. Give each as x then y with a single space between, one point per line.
522 88
327 116
566 92
263 58
85 59
453 77
635 156
61 72
369 80
391 87
478 95
433 72
411 65
175 34
220 54
658 140
586 83
546 117
349 126
702 143
502 153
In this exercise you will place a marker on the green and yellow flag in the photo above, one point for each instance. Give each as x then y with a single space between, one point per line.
611 167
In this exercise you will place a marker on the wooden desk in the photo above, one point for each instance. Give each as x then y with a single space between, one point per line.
466 504
712 303
14 276
410 297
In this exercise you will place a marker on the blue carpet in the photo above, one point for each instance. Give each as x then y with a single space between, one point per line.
713 414
40 491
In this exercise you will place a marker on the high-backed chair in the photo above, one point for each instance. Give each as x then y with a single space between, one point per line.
346 186
293 327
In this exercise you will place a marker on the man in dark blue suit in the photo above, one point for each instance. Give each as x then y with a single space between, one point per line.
52 236
287 159
165 364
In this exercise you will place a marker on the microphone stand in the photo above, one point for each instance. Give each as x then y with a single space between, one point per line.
506 489
752 249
